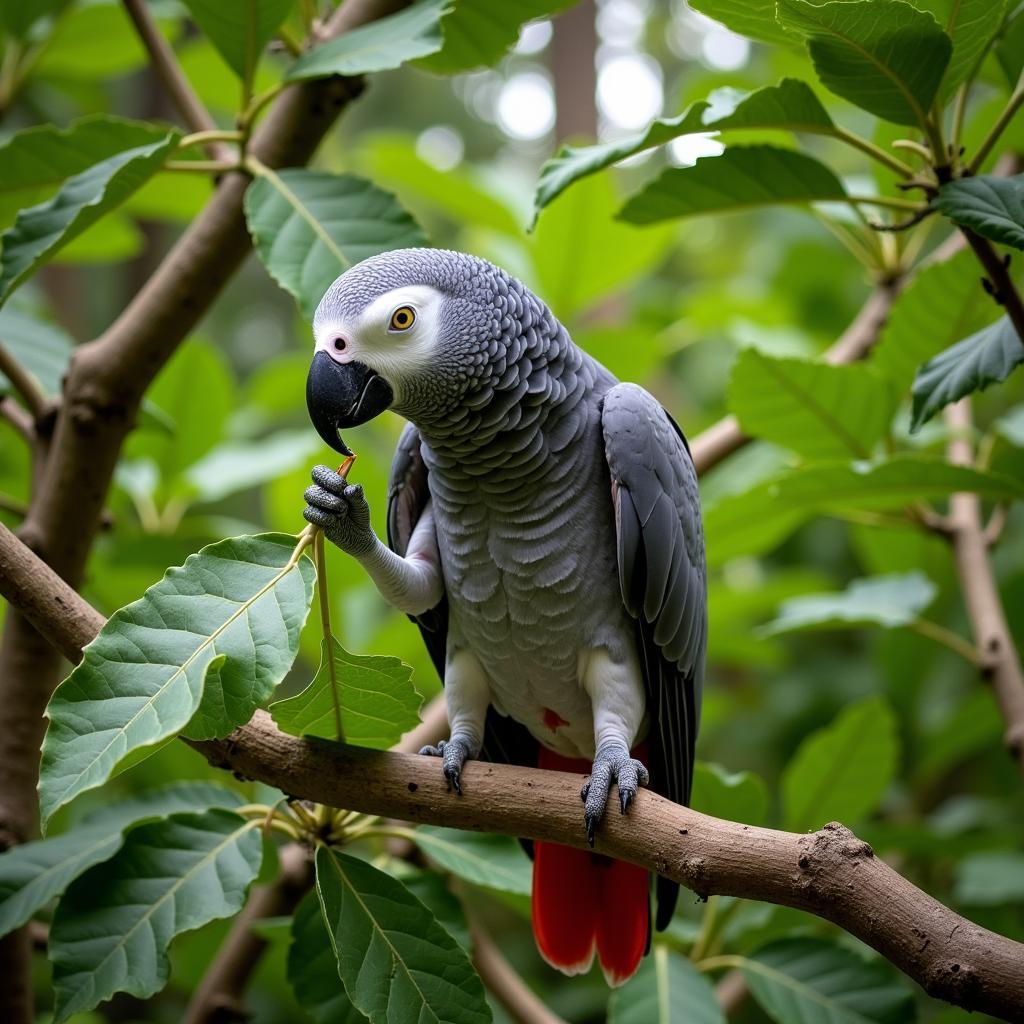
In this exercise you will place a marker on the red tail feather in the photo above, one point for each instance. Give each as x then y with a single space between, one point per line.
584 902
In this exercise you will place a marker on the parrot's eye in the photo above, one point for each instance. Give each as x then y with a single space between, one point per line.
402 319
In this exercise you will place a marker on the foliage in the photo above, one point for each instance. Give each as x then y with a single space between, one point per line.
830 695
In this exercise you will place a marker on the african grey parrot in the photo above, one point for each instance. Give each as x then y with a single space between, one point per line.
544 532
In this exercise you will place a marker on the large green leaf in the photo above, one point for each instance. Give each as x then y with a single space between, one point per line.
241 29
43 230
753 18
888 601
1010 49
988 357
883 55
816 409
17 18
790 105
815 981
749 523
972 25
313 970
842 771
581 255
228 619
991 878
942 305
494 862
34 873
112 928
667 989
991 206
440 35
311 226
396 961
742 177
734 796
42 348
378 701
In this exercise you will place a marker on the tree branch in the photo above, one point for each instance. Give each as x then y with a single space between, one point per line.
1003 290
1000 662
829 873
22 382
18 418
196 117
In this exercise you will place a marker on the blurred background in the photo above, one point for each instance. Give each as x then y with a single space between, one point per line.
668 306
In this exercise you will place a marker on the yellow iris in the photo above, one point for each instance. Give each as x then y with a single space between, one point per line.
402 319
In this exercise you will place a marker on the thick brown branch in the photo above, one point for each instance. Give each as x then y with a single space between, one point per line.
829 873
1000 661
196 117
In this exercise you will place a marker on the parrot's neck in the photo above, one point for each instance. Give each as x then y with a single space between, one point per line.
517 424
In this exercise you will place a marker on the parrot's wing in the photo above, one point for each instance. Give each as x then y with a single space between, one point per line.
505 740
663 580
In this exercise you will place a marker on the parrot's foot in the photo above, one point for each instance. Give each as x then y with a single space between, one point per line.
453 753
612 763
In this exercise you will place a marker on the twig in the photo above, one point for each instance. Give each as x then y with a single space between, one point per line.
1004 291
1000 661
22 382
216 1000
501 978
875 152
829 873
949 639
18 418
196 117
996 523
12 505
1011 108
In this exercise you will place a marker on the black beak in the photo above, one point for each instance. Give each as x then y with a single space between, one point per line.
343 395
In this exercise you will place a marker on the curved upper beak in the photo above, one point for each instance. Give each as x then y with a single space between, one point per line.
341 395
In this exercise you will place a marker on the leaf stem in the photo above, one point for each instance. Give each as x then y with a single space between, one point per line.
325 622
707 929
1011 108
873 151
716 963
202 166
888 202
959 109
946 637
252 109
210 135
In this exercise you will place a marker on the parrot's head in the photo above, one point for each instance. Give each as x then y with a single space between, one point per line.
420 331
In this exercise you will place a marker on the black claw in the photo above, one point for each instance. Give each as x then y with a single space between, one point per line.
591 821
584 791
625 799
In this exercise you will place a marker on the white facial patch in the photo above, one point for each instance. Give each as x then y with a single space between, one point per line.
374 340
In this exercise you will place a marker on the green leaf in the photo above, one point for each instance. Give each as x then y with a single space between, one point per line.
313 970
887 601
666 989
943 304
742 177
17 18
790 105
753 18
112 929
991 206
311 226
1010 50
988 357
45 155
478 33
240 30
882 55
42 348
734 796
33 874
615 254
234 609
818 410
439 35
238 465
842 771
751 522
378 701
396 961
972 25
815 981
43 230
490 861
992 878
379 46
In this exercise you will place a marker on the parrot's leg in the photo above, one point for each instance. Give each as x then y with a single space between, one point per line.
617 696
412 584
468 694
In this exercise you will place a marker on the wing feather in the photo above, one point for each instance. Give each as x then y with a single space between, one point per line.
663 582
